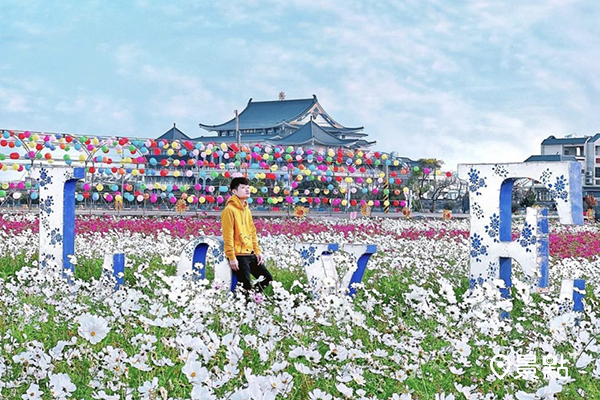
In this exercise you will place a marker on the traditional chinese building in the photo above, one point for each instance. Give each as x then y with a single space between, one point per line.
300 122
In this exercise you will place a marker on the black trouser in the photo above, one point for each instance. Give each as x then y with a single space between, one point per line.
248 264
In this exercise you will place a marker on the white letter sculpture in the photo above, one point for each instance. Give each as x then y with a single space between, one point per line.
57 215
490 193
193 259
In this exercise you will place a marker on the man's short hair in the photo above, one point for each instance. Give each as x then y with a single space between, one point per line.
235 182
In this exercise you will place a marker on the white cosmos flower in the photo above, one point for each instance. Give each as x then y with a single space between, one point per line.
61 386
92 328
318 394
195 372
33 393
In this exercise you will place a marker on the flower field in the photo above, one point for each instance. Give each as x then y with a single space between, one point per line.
413 331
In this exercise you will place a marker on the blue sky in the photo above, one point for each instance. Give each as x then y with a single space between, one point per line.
463 81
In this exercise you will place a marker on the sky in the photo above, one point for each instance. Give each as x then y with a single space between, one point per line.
460 81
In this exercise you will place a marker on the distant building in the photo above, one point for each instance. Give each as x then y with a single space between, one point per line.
585 149
301 122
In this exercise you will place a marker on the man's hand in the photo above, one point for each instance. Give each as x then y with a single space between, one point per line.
233 264
259 259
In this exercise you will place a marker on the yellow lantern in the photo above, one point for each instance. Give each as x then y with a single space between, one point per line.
176 173
369 180
348 179
370 203
344 202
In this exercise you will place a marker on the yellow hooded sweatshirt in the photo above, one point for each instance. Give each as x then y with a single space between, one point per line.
239 232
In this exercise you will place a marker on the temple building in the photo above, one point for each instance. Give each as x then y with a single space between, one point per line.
300 122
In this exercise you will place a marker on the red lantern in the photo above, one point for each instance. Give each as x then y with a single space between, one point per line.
92 170
448 174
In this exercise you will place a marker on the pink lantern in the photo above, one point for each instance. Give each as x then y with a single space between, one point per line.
173 200
259 200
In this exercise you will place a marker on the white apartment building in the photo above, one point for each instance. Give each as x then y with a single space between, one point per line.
585 149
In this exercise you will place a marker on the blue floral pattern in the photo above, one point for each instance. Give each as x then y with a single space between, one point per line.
493 229
308 255
500 170
476 182
558 189
477 247
477 211
218 253
527 237
55 237
45 178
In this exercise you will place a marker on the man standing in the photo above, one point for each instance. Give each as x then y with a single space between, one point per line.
239 236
